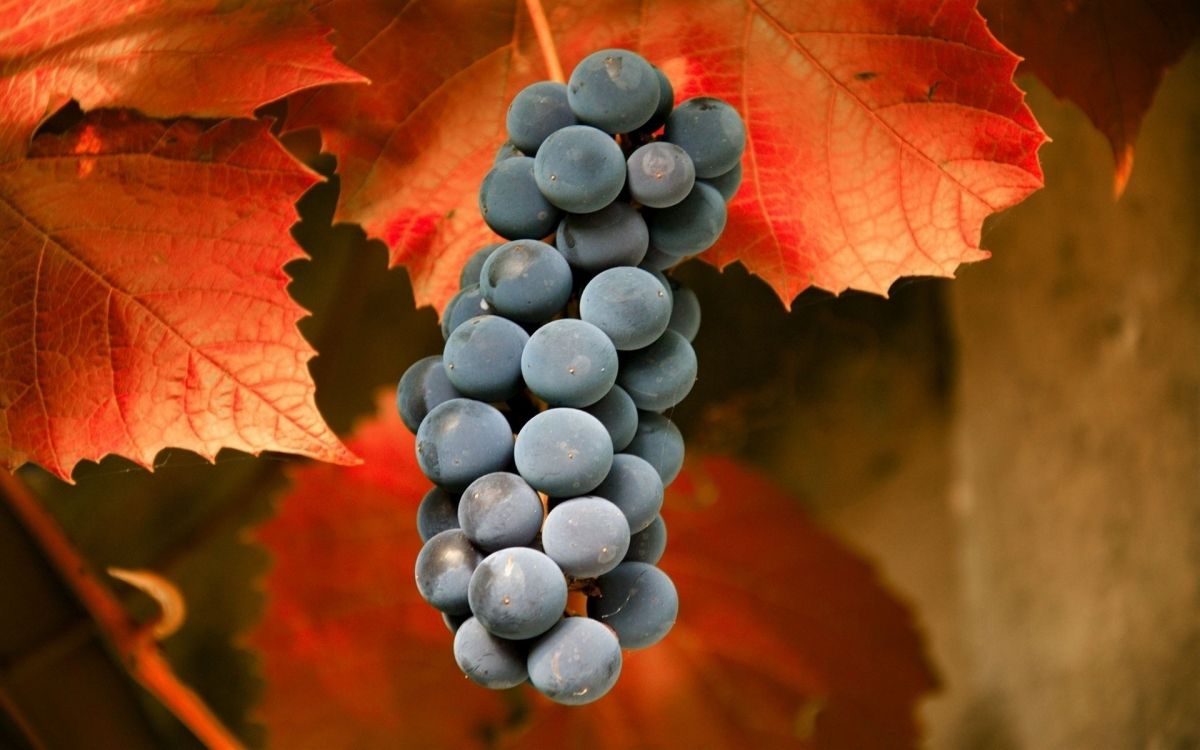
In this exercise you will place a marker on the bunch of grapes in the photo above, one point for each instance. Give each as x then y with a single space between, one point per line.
541 552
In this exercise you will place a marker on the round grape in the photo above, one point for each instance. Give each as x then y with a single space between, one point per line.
500 510
579 169
638 601
658 441
660 174
536 111
690 226
616 235
511 203
444 569
575 663
563 452
648 544
493 662
436 513
470 271
657 260
423 386
460 440
660 375
666 101
685 314
507 150
526 280
517 593
727 184
586 536
466 304
482 357
568 362
614 89
634 486
628 304
617 412
710 131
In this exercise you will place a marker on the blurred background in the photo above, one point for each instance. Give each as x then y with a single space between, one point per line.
1016 451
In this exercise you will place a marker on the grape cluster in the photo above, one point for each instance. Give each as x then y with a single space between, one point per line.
541 552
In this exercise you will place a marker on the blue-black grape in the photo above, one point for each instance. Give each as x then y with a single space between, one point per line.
660 174
460 440
444 569
616 235
657 260
617 412
500 510
728 183
568 362
685 313
493 662
507 150
537 111
666 101
690 226
563 452
658 441
575 663
526 280
454 622
660 375
638 601
634 486
662 279
482 357
710 131
511 203
648 544
586 536
579 169
468 303
629 304
470 271
614 89
423 386
517 593
437 512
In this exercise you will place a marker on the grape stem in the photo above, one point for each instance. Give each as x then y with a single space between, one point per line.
541 27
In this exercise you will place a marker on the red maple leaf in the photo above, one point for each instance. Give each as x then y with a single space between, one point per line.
784 639
880 134
203 58
145 303
1107 56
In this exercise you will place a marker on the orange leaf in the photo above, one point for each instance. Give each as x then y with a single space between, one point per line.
1108 57
204 58
880 134
785 639
145 302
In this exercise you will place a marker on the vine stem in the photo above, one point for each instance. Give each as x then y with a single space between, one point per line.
133 644
541 27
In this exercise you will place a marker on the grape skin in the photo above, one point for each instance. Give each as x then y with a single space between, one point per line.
666 101
461 440
586 536
517 593
660 174
526 280
638 601
617 412
634 486
579 169
470 271
444 569
577 662
437 512
727 184
685 314
500 510
423 386
569 362
468 303
536 111
511 203
614 89
482 357
690 226
616 235
660 375
710 131
628 304
493 662
658 441
563 452
648 544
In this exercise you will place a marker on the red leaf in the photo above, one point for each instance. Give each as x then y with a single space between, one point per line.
1107 56
145 301
881 134
204 58
784 640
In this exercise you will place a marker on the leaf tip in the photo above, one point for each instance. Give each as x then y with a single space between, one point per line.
1123 169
